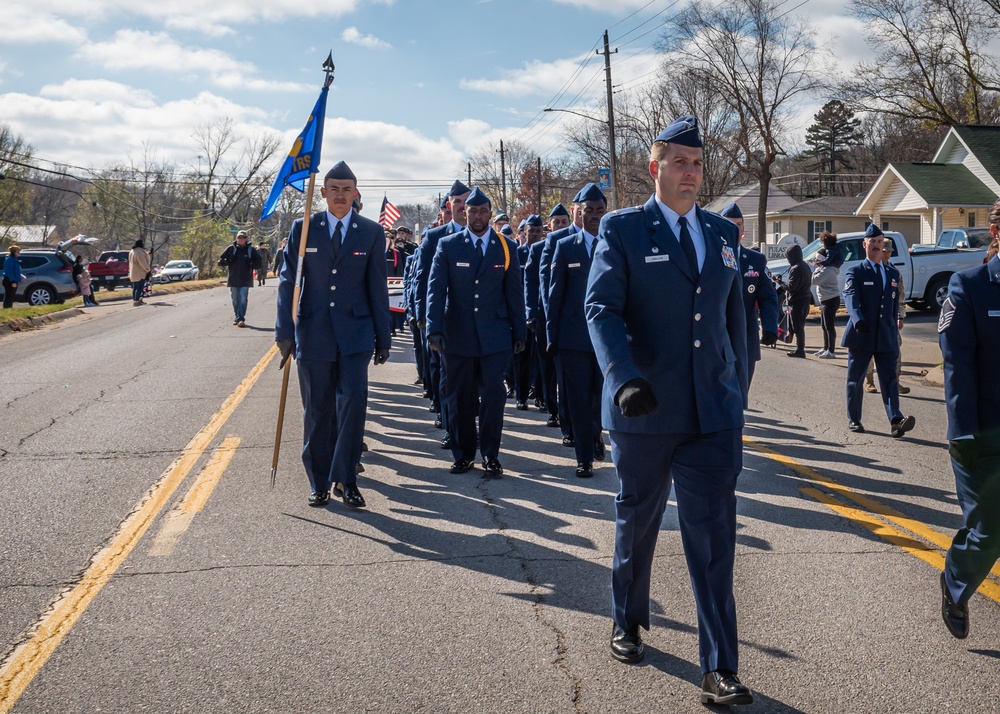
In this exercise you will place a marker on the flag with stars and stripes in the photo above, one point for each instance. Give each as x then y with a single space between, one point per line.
388 215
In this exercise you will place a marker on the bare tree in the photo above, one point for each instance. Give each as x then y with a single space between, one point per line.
756 61
487 174
15 196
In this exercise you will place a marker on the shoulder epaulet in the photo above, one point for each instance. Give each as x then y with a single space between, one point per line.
627 209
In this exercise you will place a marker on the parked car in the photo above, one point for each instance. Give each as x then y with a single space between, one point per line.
925 273
109 270
176 271
958 239
47 277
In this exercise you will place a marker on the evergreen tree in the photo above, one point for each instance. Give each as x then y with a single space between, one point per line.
830 137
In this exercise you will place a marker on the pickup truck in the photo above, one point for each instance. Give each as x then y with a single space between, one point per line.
925 273
109 270
958 239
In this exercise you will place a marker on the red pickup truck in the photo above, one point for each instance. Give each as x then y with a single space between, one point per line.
110 270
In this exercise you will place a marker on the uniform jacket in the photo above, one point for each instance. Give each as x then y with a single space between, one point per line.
394 263
240 264
545 261
344 306
566 323
758 296
867 301
650 317
969 334
425 258
532 291
408 291
479 312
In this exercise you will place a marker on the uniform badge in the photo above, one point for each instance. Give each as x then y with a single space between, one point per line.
751 274
947 314
728 258
751 288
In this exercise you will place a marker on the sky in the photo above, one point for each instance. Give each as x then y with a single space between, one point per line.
419 84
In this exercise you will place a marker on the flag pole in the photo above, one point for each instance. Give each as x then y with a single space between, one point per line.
296 293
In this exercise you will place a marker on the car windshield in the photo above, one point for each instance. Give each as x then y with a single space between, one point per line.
178 264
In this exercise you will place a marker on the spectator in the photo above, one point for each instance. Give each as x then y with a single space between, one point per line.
799 297
241 259
139 267
825 278
81 276
279 257
265 263
834 257
11 275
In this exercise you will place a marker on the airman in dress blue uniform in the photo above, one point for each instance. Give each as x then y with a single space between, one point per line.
969 334
580 380
523 362
475 316
343 318
535 312
665 311
759 296
871 295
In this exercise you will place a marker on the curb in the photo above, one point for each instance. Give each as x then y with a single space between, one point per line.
30 323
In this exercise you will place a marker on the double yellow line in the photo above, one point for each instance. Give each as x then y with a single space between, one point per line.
28 658
914 537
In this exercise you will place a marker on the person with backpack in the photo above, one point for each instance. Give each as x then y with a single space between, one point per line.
241 260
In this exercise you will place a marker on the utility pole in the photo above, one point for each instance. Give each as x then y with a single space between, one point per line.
470 174
503 178
611 123
539 170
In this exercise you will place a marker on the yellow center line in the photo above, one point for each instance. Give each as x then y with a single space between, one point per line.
30 656
176 523
878 526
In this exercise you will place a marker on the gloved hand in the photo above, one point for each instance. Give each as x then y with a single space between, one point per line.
519 346
436 342
533 325
421 325
636 398
287 349
412 322
861 327
381 355
965 452
551 349
769 339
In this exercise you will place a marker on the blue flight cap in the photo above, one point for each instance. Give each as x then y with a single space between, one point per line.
476 198
590 192
340 172
522 224
458 188
873 231
534 220
732 211
683 130
444 203
559 210
507 231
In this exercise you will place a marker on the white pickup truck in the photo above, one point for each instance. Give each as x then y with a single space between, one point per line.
925 274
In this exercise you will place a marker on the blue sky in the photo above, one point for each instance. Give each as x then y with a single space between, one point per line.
419 84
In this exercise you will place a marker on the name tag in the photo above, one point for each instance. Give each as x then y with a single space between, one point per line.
657 258
461 265
572 265
994 313
869 283
311 250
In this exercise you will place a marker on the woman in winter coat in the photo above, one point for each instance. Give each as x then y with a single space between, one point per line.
827 281
799 297
139 267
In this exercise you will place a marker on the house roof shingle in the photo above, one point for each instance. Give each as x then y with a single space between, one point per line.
945 184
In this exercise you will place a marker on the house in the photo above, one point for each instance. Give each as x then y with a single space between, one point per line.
31 236
956 189
746 197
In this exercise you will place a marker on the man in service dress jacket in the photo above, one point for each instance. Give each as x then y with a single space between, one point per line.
665 311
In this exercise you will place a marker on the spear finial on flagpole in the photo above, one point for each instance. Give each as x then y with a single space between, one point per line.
328 68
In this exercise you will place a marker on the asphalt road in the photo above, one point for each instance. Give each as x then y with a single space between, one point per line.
448 592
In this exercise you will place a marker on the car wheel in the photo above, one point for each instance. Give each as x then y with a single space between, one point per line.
41 295
937 291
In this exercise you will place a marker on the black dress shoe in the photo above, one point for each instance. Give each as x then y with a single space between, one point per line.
856 426
723 687
319 498
432 408
360 469
521 406
901 426
426 394
492 468
539 404
364 446
553 420
626 646
568 441
600 451
338 490
955 616
438 423
418 381
446 442
584 470
510 393
800 355
352 496
461 466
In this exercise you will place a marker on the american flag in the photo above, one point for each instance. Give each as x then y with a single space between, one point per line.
388 215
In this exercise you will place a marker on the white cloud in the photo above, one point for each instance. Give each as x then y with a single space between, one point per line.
534 78
615 7
353 36
26 23
157 51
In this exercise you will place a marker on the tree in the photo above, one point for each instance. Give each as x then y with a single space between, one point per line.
15 196
488 172
756 62
833 132
203 241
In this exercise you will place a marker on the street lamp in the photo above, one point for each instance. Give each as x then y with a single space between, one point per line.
611 146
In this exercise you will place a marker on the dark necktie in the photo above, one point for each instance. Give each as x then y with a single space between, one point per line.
479 253
687 245
593 245
878 274
337 239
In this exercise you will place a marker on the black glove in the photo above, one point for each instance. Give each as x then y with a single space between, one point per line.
519 346
551 349
636 398
421 325
412 322
965 452
436 342
287 349
381 355
533 325
769 339
861 327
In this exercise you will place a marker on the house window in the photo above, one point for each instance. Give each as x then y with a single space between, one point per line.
885 225
776 230
972 219
815 228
